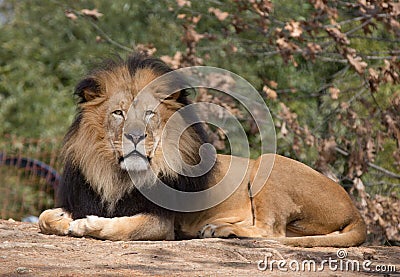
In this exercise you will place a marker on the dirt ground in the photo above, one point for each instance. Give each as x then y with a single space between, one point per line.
25 251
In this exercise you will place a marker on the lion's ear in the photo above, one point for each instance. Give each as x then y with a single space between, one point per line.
173 96
87 90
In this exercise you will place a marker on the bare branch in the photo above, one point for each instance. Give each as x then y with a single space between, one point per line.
329 59
379 58
366 16
107 38
358 27
372 165
373 38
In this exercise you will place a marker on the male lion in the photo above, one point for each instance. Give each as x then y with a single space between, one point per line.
296 205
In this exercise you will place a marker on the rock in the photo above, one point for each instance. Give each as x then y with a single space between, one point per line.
24 250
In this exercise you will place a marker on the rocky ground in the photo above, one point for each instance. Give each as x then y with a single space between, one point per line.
25 251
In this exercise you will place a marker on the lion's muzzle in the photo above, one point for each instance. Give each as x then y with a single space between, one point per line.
135 137
134 154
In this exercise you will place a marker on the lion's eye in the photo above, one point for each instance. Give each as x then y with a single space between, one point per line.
149 113
118 113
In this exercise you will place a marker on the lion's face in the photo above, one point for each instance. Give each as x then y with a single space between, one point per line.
134 126
141 133
123 129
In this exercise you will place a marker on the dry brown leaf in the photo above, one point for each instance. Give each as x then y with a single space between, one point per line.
372 72
182 3
191 35
175 61
338 36
395 8
309 138
284 130
344 105
71 15
233 48
146 49
271 94
358 64
370 150
285 45
196 19
373 79
273 84
314 48
262 8
334 92
92 13
318 4
294 28
218 13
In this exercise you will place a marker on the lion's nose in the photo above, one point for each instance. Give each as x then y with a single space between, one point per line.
135 137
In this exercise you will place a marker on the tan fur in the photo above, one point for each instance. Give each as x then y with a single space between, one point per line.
294 201
55 221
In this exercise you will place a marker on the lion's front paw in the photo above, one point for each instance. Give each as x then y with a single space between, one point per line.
86 226
216 231
54 222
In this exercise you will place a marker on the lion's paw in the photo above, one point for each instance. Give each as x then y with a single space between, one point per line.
86 226
216 231
55 221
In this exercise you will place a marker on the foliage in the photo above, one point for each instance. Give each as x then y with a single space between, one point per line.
329 69
22 192
43 54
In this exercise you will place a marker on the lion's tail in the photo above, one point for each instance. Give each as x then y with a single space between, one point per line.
353 234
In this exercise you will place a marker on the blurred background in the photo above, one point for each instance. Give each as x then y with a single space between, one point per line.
328 71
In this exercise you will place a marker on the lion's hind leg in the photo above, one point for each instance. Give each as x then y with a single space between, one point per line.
55 222
226 230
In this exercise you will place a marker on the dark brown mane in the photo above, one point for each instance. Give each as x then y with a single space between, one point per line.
132 63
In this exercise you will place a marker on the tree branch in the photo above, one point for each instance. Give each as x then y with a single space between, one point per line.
107 38
374 166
